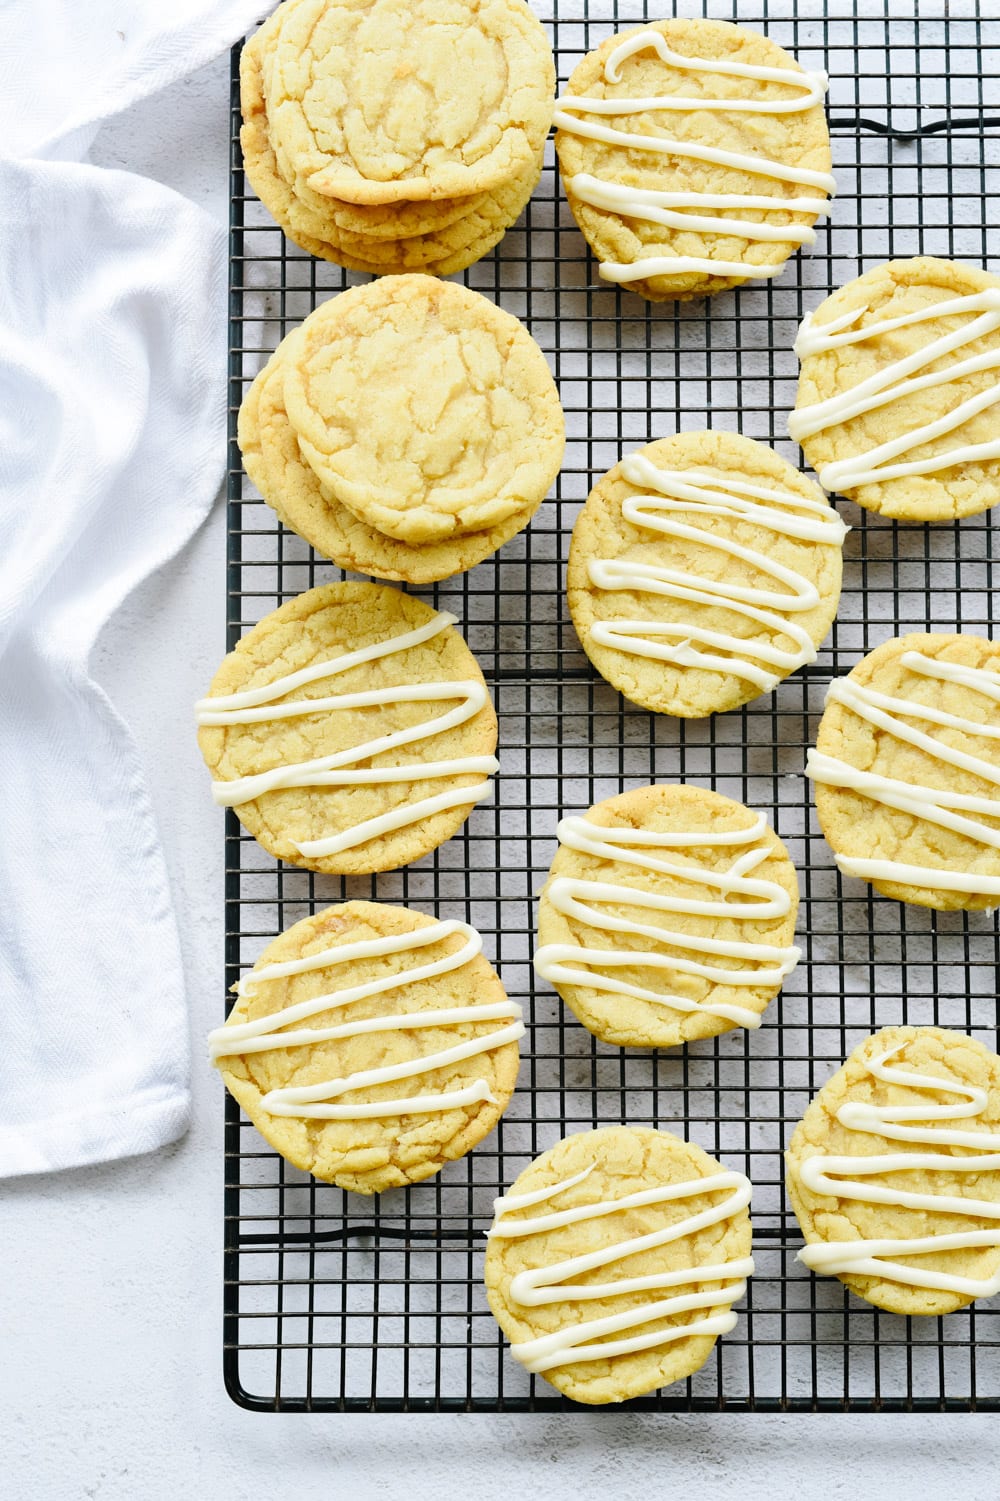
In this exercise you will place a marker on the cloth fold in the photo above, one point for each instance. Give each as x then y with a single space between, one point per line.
112 448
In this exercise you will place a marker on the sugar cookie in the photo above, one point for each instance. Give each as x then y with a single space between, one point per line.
273 461
396 135
370 1045
351 730
695 156
703 570
427 411
898 391
373 102
442 237
907 771
668 915
885 1201
614 1261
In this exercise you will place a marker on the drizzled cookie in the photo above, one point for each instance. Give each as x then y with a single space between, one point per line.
898 392
668 915
370 1045
695 156
351 730
614 1261
703 570
894 1172
906 771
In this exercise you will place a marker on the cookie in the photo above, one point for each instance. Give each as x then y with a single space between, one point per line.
370 1045
441 252
424 408
894 1172
703 570
440 238
391 221
907 771
695 157
351 730
614 1261
376 102
274 463
668 915
898 390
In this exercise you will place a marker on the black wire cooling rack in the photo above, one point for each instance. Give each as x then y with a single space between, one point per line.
334 1302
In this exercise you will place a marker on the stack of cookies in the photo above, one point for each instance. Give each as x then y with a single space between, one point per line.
396 135
406 429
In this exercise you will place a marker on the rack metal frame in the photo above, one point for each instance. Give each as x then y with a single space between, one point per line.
335 1303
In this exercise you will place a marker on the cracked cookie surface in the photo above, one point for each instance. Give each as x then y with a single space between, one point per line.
374 102
370 1154
425 409
440 238
318 627
391 221
274 462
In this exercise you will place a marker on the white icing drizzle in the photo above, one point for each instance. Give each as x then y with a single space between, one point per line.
660 208
553 1284
265 1034
343 768
937 805
846 1177
741 897
705 495
897 380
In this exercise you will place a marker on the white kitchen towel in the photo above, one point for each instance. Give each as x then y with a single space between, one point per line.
112 447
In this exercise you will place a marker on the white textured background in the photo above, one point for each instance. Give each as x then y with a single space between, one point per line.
111 1278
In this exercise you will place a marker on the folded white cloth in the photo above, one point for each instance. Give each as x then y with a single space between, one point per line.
112 447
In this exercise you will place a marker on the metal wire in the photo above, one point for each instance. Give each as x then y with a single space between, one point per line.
334 1302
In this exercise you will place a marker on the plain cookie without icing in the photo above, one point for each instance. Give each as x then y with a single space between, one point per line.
325 1097
898 390
274 462
588 1220
908 1093
703 569
644 970
385 767
391 221
425 409
906 771
371 102
702 187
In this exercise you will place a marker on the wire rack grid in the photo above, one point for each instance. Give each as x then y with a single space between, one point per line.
338 1303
